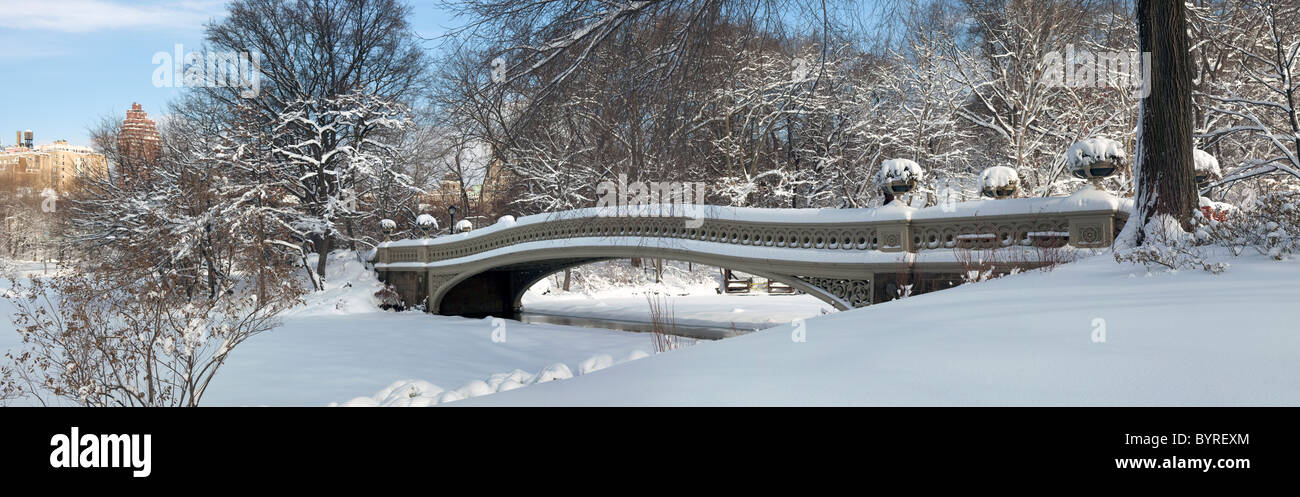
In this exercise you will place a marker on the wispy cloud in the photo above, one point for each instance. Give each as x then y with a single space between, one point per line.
83 16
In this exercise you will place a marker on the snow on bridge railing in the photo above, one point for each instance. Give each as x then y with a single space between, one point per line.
1090 218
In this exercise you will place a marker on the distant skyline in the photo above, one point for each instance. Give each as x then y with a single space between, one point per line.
68 63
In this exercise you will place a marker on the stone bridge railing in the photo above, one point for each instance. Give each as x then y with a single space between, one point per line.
1086 225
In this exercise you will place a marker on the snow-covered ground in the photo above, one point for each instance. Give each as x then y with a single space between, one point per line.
318 360
614 290
26 269
339 348
743 312
1089 333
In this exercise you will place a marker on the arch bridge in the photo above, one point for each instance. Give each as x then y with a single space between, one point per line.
846 257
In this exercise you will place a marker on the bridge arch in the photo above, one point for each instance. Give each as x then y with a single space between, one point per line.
497 284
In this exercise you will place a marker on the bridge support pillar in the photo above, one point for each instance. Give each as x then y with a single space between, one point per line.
1092 231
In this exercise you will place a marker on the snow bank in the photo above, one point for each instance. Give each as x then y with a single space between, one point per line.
419 393
1092 332
743 313
595 363
349 288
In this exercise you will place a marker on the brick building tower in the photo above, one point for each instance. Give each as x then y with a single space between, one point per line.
139 146
139 139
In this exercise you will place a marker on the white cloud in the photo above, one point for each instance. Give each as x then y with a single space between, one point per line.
82 16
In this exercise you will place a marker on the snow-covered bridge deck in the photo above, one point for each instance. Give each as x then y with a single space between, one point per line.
846 257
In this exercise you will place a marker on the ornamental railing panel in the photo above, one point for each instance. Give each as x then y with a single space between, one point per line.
1082 229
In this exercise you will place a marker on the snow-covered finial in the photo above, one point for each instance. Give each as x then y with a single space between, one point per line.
1095 157
899 176
999 182
428 224
463 226
387 226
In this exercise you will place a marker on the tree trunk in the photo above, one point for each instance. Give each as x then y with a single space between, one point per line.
352 239
1165 178
568 273
322 252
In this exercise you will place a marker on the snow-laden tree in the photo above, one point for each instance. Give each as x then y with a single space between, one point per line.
351 61
167 277
1251 109
1020 101
329 157
783 129
553 162
912 103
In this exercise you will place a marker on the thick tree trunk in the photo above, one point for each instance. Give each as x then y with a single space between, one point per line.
323 252
1165 178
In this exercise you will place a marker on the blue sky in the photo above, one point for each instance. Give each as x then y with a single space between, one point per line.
67 63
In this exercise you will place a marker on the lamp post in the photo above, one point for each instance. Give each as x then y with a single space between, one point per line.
451 211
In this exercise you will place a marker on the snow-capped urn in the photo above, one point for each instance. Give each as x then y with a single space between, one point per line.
899 176
506 220
999 182
1207 167
427 224
387 226
1094 158
464 226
